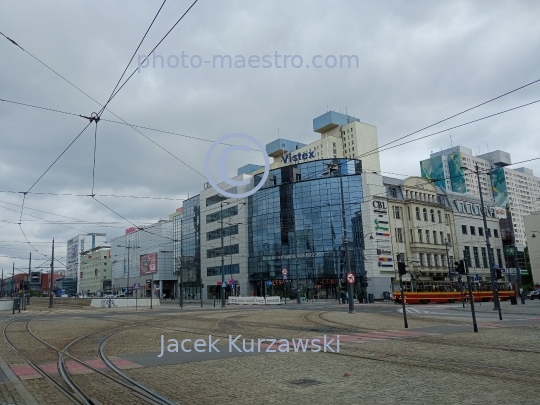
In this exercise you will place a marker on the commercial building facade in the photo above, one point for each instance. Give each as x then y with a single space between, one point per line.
532 230
95 276
293 226
144 256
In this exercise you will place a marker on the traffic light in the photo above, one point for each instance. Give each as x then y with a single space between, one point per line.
498 273
460 267
401 268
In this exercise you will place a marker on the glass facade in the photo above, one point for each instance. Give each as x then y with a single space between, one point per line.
295 223
190 262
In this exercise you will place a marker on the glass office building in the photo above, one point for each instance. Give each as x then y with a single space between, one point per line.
296 228
190 262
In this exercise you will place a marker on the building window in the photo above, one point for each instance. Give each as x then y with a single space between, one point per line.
227 269
442 237
425 214
228 212
215 199
409 213
495 233
476 257
227 250
477 210
412 235
428 257
468 255
484 258
499 257
427 237
432 215
469 208
420 236
418 213
481 231
227 231
435 237
397 214
399 235
394 192
464 229
449 239
460 206
473 230
439 216
421 258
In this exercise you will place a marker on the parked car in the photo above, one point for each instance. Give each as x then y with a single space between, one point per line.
533 295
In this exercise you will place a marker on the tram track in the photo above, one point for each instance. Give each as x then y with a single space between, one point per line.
72 390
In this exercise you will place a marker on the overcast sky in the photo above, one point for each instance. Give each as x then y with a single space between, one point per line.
419 62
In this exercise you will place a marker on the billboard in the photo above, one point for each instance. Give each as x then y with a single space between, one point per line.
148 263
500 213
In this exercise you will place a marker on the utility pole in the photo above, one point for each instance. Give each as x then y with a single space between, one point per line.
181 297
51 280
127 287
345 241
13 281
516 263
471 296
223 303
496 302
2 285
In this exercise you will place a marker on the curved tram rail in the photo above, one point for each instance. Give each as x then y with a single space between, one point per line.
78 396
425 292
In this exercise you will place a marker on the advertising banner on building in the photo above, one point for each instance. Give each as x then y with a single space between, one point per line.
381 232
148 263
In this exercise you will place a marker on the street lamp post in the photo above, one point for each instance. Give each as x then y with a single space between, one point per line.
518 271
128 247
446 243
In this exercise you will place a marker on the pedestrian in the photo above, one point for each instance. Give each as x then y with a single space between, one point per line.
347 297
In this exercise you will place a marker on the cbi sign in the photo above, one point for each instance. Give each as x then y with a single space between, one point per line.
380 205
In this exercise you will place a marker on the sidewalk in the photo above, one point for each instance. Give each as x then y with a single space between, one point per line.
531 307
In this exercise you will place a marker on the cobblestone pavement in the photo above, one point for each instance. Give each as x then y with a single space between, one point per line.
440 362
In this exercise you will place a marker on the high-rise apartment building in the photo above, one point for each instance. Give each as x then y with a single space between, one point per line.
76 246
516 190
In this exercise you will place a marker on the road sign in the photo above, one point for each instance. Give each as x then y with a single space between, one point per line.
136 286
269 283
351 278
476 279
285 273
232 282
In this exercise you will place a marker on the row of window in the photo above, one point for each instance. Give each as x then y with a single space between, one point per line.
472 229
473 209
431 260
228 269
423 236
227 231
435 217
483 254
227 250
216 216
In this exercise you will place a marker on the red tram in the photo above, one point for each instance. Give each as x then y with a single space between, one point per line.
425 292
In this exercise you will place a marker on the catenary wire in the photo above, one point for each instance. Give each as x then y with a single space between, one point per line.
455 115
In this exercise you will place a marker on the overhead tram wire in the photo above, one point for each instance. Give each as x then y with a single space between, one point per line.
99 195
448 129
453 116
146 58
133 56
